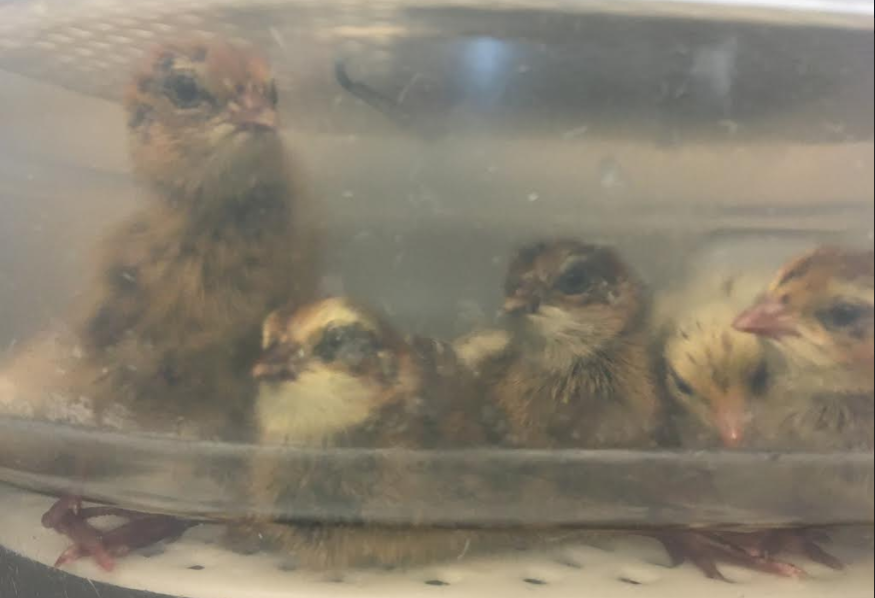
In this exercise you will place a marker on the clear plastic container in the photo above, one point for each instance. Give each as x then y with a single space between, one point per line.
708 143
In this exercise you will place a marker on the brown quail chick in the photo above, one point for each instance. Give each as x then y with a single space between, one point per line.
170 330
334 375
576 371
172 325
572 369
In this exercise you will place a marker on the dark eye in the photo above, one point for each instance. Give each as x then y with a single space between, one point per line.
350 345
574 281
183 91
329 344
272 95
842 315
680 383
759 380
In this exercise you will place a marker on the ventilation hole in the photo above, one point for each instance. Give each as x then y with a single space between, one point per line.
569 563
535 581
197 567
436 582
287 565
630 581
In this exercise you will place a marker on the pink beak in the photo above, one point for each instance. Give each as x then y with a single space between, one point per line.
730 424
256 113
769 318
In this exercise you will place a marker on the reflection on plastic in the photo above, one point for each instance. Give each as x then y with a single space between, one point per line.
622 488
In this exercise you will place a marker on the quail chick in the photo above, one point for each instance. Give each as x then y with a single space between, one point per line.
712 373
818 312
172 324
576 371
760 395
170 329
334 375
715 377
721 382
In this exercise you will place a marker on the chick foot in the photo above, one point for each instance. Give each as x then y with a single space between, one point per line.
68 517
706 549
770 543
801 541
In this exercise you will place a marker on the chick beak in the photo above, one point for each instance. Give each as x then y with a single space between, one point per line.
275 366
527 303
769 317
255 112
730 422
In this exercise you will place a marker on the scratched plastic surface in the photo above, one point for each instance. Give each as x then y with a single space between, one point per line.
520 120
624 488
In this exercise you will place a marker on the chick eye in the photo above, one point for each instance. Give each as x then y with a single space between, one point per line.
842 315
346 343
329 344
681 384
183 91
574 281
759 380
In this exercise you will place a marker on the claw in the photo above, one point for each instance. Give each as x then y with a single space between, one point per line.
86 539
675 552
68 517
706 549
804 542
72 553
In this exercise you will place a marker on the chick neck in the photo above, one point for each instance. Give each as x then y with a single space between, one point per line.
239 174
315 409
558 343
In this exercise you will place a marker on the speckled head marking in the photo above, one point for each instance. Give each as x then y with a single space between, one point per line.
819 308
327 366
716 373
571 295
200 112
331 333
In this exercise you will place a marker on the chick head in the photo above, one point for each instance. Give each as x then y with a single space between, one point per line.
202 120
715 373
819 310
327 366
570 299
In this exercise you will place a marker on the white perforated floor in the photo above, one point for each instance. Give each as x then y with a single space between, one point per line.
196 567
